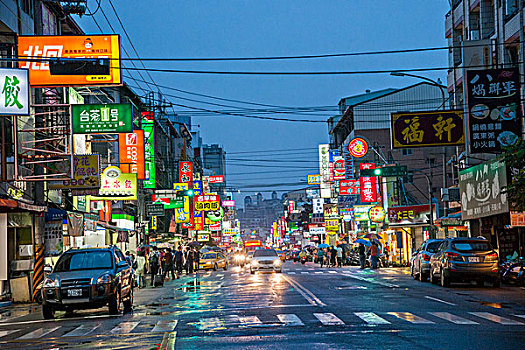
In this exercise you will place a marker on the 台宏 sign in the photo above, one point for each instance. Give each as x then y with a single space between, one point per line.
426 129
102 118
72 46
494 106
131 153
207 202
413 215
14 91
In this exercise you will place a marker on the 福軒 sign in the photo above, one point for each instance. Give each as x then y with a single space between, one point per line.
40 49
494 109
481 189
116 185
207 202
86 174
427 129
131 153
14 91
358 147
102 118
412 215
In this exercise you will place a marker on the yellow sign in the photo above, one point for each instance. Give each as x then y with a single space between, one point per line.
183 214
117 186
331 226
153 222
86 173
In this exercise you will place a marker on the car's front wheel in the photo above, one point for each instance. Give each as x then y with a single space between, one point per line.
445 282
48 312
225 267
252 271
128 303
114 304
215 267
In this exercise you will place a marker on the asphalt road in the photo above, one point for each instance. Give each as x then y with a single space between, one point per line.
305 307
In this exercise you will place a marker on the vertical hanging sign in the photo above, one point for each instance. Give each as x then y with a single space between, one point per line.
324 170
186 172
149 152
368 185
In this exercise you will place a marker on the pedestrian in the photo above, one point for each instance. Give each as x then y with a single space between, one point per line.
196 258
374 252
178 260
169 264
141 268
339 252
129 258
154 263
362 256
387 254
320 256
333 256
189 261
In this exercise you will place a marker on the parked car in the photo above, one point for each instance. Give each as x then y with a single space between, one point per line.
213 260
420 261
88 278
266 259
465 259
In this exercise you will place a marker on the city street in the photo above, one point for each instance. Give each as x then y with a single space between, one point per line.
305 306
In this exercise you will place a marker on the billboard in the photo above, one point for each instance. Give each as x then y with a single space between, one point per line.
494 109
86 174
116 186
481 190
102 118
313 179
185 172
368 185
324 170
149 153
14 91
349 187
411 215
131 153
427 129
207 202
72 46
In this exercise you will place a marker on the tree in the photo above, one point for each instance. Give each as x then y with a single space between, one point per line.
514 157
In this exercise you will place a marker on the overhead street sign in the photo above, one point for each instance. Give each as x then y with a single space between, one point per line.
387 171
154 210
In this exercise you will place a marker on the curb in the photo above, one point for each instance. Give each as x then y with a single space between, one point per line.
5 304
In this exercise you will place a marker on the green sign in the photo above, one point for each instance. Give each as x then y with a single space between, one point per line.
149 152
102 118
154 210
387 171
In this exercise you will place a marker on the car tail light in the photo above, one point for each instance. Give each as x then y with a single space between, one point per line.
492 256
426 257
453 256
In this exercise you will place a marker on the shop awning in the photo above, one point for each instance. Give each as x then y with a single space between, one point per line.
10 205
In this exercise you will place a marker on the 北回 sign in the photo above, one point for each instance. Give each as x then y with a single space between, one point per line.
101 118
36 48
14 91
427 129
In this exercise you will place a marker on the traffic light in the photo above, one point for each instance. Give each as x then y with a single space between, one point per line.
189 193
386 171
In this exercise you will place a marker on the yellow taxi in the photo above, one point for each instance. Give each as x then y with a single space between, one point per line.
213 260
282 255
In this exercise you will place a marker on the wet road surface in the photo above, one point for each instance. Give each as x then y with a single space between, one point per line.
305 306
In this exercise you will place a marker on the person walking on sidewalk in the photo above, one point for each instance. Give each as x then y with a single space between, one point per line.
154 263
178 261
169 264
141 269
320 256
189 261
196 258
362 256
333 256
374 254
339 253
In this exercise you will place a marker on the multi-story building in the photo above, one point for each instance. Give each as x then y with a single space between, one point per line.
259 214
214 158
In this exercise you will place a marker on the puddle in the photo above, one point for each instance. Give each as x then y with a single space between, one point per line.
489 304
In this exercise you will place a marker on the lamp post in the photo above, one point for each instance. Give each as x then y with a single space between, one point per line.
436 83
429 182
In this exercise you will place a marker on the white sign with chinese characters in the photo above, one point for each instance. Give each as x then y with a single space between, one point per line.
14 91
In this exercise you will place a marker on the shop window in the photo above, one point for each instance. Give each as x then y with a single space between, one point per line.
407 151
27 6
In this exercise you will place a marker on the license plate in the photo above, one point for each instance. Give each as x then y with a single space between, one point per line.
474 259
74 292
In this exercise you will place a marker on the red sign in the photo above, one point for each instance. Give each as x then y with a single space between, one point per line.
339 168
291 206
186 172
368 185
198 221
131 153
358 147
216 179
349 187
215 227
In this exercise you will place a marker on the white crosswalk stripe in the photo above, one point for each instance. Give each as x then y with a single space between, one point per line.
165 326
452 318
81 331
125 327
246 321
407 316
371 318
307 273
290 320
328 319
336 271
4 333
496 318
38 333
522 316
293 273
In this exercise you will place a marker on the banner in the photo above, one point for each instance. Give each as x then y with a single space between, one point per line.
494 109
86 168
102 118
131 153
368 185
427 129
318 205
186 172
411 215
349 187
149 153
324 170
71 46
14 91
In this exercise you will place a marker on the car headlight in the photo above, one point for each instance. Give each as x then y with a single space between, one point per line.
104 279
255 262
49 283
277 262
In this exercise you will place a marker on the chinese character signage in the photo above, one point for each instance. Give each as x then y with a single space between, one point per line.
228 203
317 205
71 46
361 212
324 170
14 91
116 185
517 219
331 225
358 147
481 190
131 153
493 102
149 153
197 187
314 179
185 172
339 168
349 187
207 202
102 118
368 185
413 215
216 179
198 220
331 211
86 173
425 129
377 214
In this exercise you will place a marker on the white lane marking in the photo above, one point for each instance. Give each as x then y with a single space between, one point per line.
371 318
59 320
439 300
210 324
452 318
496 318
371 280
309 296
522 316
336 271
12 315
319 272
306 272
329 319
290 319
221 274
125 327
165 326
247 321
290 273
39 333
407 316
82 330
169 340
4 333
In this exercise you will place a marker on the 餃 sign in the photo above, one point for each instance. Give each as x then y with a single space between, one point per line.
207 202
14 91
117 186
427 129
102 118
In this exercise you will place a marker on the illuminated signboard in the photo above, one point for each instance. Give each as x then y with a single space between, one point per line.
131 153
358 147
102 118
14 91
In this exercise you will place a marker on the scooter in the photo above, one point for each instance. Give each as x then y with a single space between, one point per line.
303 260
514 273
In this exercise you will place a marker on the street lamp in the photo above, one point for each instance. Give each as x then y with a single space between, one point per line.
436 83
429 182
